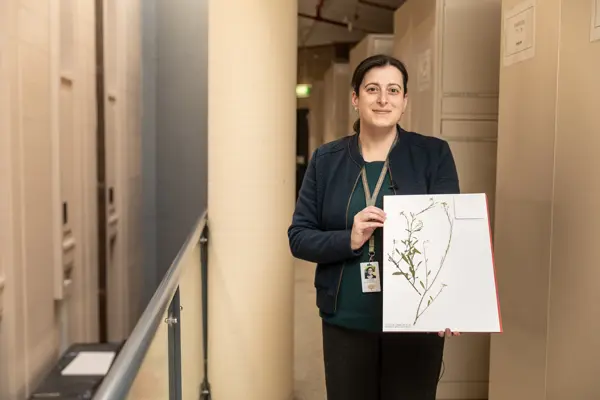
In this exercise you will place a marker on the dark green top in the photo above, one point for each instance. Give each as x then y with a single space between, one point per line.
355 309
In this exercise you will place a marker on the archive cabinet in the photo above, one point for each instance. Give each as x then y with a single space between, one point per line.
452 52
335 101
372 44
49 173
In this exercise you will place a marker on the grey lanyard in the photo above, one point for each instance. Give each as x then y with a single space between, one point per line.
372 199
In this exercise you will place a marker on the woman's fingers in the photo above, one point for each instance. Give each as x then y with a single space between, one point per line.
372 213
371 216
375 210
371 225
448 333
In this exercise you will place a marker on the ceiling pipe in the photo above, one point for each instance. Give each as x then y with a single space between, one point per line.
319 7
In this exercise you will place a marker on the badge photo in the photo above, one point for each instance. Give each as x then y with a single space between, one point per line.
369 272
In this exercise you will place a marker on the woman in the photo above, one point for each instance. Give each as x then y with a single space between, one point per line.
337 224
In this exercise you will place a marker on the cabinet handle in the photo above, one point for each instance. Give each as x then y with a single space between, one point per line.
65 212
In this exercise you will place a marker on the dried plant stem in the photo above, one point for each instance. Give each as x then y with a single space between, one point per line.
397 264
410 251
428 287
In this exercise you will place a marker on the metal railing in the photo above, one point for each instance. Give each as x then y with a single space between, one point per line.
146 355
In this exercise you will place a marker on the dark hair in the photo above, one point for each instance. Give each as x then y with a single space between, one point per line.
378 60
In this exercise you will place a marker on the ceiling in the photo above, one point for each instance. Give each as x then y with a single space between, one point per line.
343 21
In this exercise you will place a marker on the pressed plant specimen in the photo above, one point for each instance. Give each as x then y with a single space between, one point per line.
413 264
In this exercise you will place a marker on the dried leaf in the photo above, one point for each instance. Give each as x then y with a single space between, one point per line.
405 258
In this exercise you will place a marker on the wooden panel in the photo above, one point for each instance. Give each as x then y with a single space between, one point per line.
523 238
114 268
402 51
111 44
572 348
111 129
38 213
69 198
469 105
5 159
471 56
67 35
13 363
422 65
469 130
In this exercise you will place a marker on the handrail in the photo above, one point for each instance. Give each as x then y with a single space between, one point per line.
122 374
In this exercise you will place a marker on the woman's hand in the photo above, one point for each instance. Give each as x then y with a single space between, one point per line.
448 333
365 223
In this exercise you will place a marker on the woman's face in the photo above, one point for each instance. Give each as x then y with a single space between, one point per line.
381 100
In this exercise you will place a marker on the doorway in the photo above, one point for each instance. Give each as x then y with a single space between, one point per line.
302 132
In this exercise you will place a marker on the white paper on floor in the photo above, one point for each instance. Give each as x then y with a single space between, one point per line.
438 268
90 363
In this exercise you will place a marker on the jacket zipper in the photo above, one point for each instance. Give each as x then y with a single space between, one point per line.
344 263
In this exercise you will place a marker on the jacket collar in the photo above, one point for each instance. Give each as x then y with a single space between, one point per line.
354 151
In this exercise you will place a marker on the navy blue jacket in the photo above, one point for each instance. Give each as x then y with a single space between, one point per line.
319 231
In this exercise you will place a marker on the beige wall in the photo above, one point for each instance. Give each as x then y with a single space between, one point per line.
47 158
546 215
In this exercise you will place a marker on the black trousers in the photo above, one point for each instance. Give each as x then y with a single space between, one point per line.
381 366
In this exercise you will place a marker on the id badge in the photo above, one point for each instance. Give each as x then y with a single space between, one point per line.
369 274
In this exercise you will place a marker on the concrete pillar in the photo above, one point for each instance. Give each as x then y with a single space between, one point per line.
251 184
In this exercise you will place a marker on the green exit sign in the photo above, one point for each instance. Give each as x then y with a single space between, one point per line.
303 90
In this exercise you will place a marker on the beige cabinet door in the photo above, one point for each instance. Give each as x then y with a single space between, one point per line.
452 49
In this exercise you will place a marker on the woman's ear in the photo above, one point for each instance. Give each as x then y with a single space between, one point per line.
354 100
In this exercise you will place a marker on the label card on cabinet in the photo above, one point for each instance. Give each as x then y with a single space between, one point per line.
595 28
519 33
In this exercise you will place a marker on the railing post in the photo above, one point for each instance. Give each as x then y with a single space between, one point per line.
174 322
205 387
